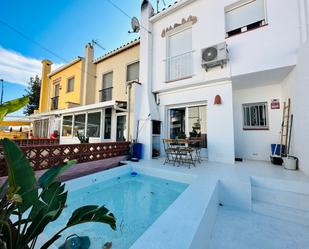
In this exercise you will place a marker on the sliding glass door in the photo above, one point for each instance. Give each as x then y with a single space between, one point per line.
177 123
188 122
121 129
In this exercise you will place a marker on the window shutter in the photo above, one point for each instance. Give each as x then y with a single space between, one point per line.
244 13
180 43
107 80
133 72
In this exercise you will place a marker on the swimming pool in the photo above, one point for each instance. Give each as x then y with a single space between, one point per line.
136 202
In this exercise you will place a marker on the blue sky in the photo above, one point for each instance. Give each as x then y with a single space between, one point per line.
64 27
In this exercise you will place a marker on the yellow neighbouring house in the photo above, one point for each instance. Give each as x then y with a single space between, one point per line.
90 96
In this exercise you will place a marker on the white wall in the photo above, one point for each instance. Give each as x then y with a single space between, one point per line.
271 46
219 117
296 87
255 144
268 48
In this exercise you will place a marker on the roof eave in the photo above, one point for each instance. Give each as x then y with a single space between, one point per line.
171 9
60 69
117 51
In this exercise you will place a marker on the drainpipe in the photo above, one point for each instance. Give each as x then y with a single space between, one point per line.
129 92
129 111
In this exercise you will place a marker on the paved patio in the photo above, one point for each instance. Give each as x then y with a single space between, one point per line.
239 170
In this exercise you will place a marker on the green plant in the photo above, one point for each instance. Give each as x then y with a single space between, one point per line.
28 206
12 106
181 135
82 138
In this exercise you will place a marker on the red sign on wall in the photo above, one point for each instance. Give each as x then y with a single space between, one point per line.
275 104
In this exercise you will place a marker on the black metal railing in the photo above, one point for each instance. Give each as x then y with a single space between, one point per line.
54 103
106 94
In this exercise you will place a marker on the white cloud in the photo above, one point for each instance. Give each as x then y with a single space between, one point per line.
16 68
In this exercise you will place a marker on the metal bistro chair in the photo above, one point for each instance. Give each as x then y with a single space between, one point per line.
185 156
170 151
184 153
196 144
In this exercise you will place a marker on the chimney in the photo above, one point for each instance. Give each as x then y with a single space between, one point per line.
88 80
147 108
44 94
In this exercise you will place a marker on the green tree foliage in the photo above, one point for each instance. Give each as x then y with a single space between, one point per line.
33 91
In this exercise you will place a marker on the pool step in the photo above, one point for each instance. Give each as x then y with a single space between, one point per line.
283 198
299 187
281 212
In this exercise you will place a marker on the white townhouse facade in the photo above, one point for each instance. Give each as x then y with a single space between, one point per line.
219 68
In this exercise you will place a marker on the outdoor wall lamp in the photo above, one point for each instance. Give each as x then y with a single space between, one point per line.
218 100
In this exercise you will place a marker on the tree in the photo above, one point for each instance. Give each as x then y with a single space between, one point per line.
33 91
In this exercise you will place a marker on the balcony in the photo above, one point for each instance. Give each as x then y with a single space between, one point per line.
54 103
106 94
179 67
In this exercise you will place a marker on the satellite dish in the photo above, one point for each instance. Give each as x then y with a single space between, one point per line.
136 27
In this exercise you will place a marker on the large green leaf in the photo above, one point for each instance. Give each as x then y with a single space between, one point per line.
20 174
46 210
92 213
38 224
85 214
53 198
51 241
12 106
50 175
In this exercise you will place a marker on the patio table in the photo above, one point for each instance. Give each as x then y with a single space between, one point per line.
181 151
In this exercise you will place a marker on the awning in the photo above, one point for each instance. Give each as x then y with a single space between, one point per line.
118 105
15 123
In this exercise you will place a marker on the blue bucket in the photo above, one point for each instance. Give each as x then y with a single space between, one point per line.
137 150
277 152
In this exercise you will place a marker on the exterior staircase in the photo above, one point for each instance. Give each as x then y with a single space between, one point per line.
286 200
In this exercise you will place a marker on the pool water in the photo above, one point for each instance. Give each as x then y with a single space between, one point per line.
136 202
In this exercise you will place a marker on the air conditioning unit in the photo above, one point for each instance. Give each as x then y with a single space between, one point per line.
213 56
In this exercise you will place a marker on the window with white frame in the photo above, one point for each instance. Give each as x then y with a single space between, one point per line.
179 52
70 85
255 116
94 124
108 124
67 124
79 124
133 72
244 15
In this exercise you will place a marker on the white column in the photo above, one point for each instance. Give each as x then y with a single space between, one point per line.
147 106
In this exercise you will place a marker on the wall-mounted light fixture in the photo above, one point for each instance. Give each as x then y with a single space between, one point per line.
218 100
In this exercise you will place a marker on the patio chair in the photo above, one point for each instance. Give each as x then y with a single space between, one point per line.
185 156
170 151
196 144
